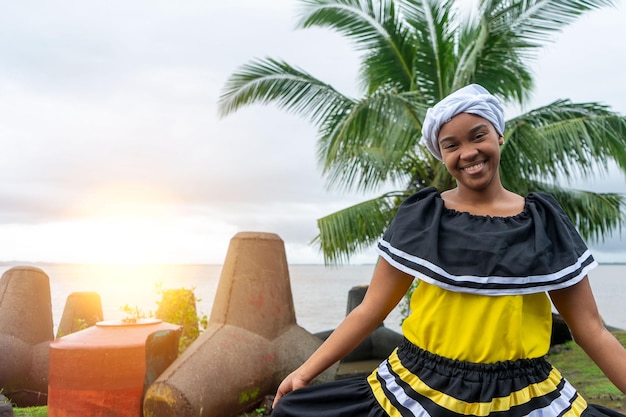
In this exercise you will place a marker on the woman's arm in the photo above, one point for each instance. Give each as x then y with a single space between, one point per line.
386 289
577 306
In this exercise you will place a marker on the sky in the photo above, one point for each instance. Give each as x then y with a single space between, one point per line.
113 150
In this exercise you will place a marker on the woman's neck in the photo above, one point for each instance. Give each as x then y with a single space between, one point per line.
496 201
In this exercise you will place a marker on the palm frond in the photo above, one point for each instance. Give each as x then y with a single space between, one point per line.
382 67
516 29
367 146
502 67
471 46
433 25
270 80
492 55
563 140
537 20
595 215
355 228
373 27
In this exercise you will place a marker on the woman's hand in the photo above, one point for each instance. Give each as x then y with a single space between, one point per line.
292 382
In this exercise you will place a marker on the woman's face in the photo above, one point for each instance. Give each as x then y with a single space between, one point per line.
470 149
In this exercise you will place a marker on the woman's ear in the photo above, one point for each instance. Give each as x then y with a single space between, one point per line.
501 140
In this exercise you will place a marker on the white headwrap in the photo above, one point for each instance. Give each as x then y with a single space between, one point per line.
473 99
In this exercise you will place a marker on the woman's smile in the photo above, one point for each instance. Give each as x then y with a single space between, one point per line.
474 168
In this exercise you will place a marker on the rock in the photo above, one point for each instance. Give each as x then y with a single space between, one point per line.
6 408
560 331
26 331
251 342
82 310
161 351
376 346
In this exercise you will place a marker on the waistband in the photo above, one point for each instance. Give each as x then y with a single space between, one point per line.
414 357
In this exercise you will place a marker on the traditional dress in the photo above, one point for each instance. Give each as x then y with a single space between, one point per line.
480 320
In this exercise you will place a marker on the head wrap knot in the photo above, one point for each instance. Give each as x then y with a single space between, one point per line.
473 99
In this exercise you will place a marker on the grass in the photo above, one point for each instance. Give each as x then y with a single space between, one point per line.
586 377
259 412
30 412
568 358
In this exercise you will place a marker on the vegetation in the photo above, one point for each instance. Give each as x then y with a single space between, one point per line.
133 314
177 306
413 53
257 412
31 412
576 366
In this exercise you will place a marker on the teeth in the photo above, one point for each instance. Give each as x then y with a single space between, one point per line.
473 167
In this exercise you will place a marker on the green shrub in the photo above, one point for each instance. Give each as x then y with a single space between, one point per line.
178 306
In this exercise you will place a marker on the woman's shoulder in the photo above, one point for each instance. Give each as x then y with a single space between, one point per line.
424 202
420 199
428 193
544 205
430 202
543 198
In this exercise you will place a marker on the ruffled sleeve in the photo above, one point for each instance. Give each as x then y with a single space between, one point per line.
537 250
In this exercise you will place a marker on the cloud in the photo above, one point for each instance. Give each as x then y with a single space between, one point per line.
109 111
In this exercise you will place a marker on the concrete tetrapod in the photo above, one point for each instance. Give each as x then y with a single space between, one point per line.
82 310
251 343
26 331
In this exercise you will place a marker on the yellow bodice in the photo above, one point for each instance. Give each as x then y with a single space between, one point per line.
479 328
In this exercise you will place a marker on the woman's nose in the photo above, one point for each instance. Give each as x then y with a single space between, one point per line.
468 152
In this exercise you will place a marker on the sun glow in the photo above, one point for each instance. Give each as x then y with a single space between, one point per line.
121 239
134 286
121 224
125 199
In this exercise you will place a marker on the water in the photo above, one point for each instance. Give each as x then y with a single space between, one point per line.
319 293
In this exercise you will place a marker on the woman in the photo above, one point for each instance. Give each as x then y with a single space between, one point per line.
489 261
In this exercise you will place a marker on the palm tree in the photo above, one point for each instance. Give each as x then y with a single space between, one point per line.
414 53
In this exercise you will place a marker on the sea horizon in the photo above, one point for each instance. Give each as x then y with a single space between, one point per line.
319 292
25 263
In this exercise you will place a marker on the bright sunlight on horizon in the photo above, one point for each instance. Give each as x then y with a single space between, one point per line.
125 224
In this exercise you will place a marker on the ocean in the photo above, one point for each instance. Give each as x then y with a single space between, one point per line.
320 293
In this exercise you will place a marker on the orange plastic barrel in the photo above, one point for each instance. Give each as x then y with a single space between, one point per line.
100 371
